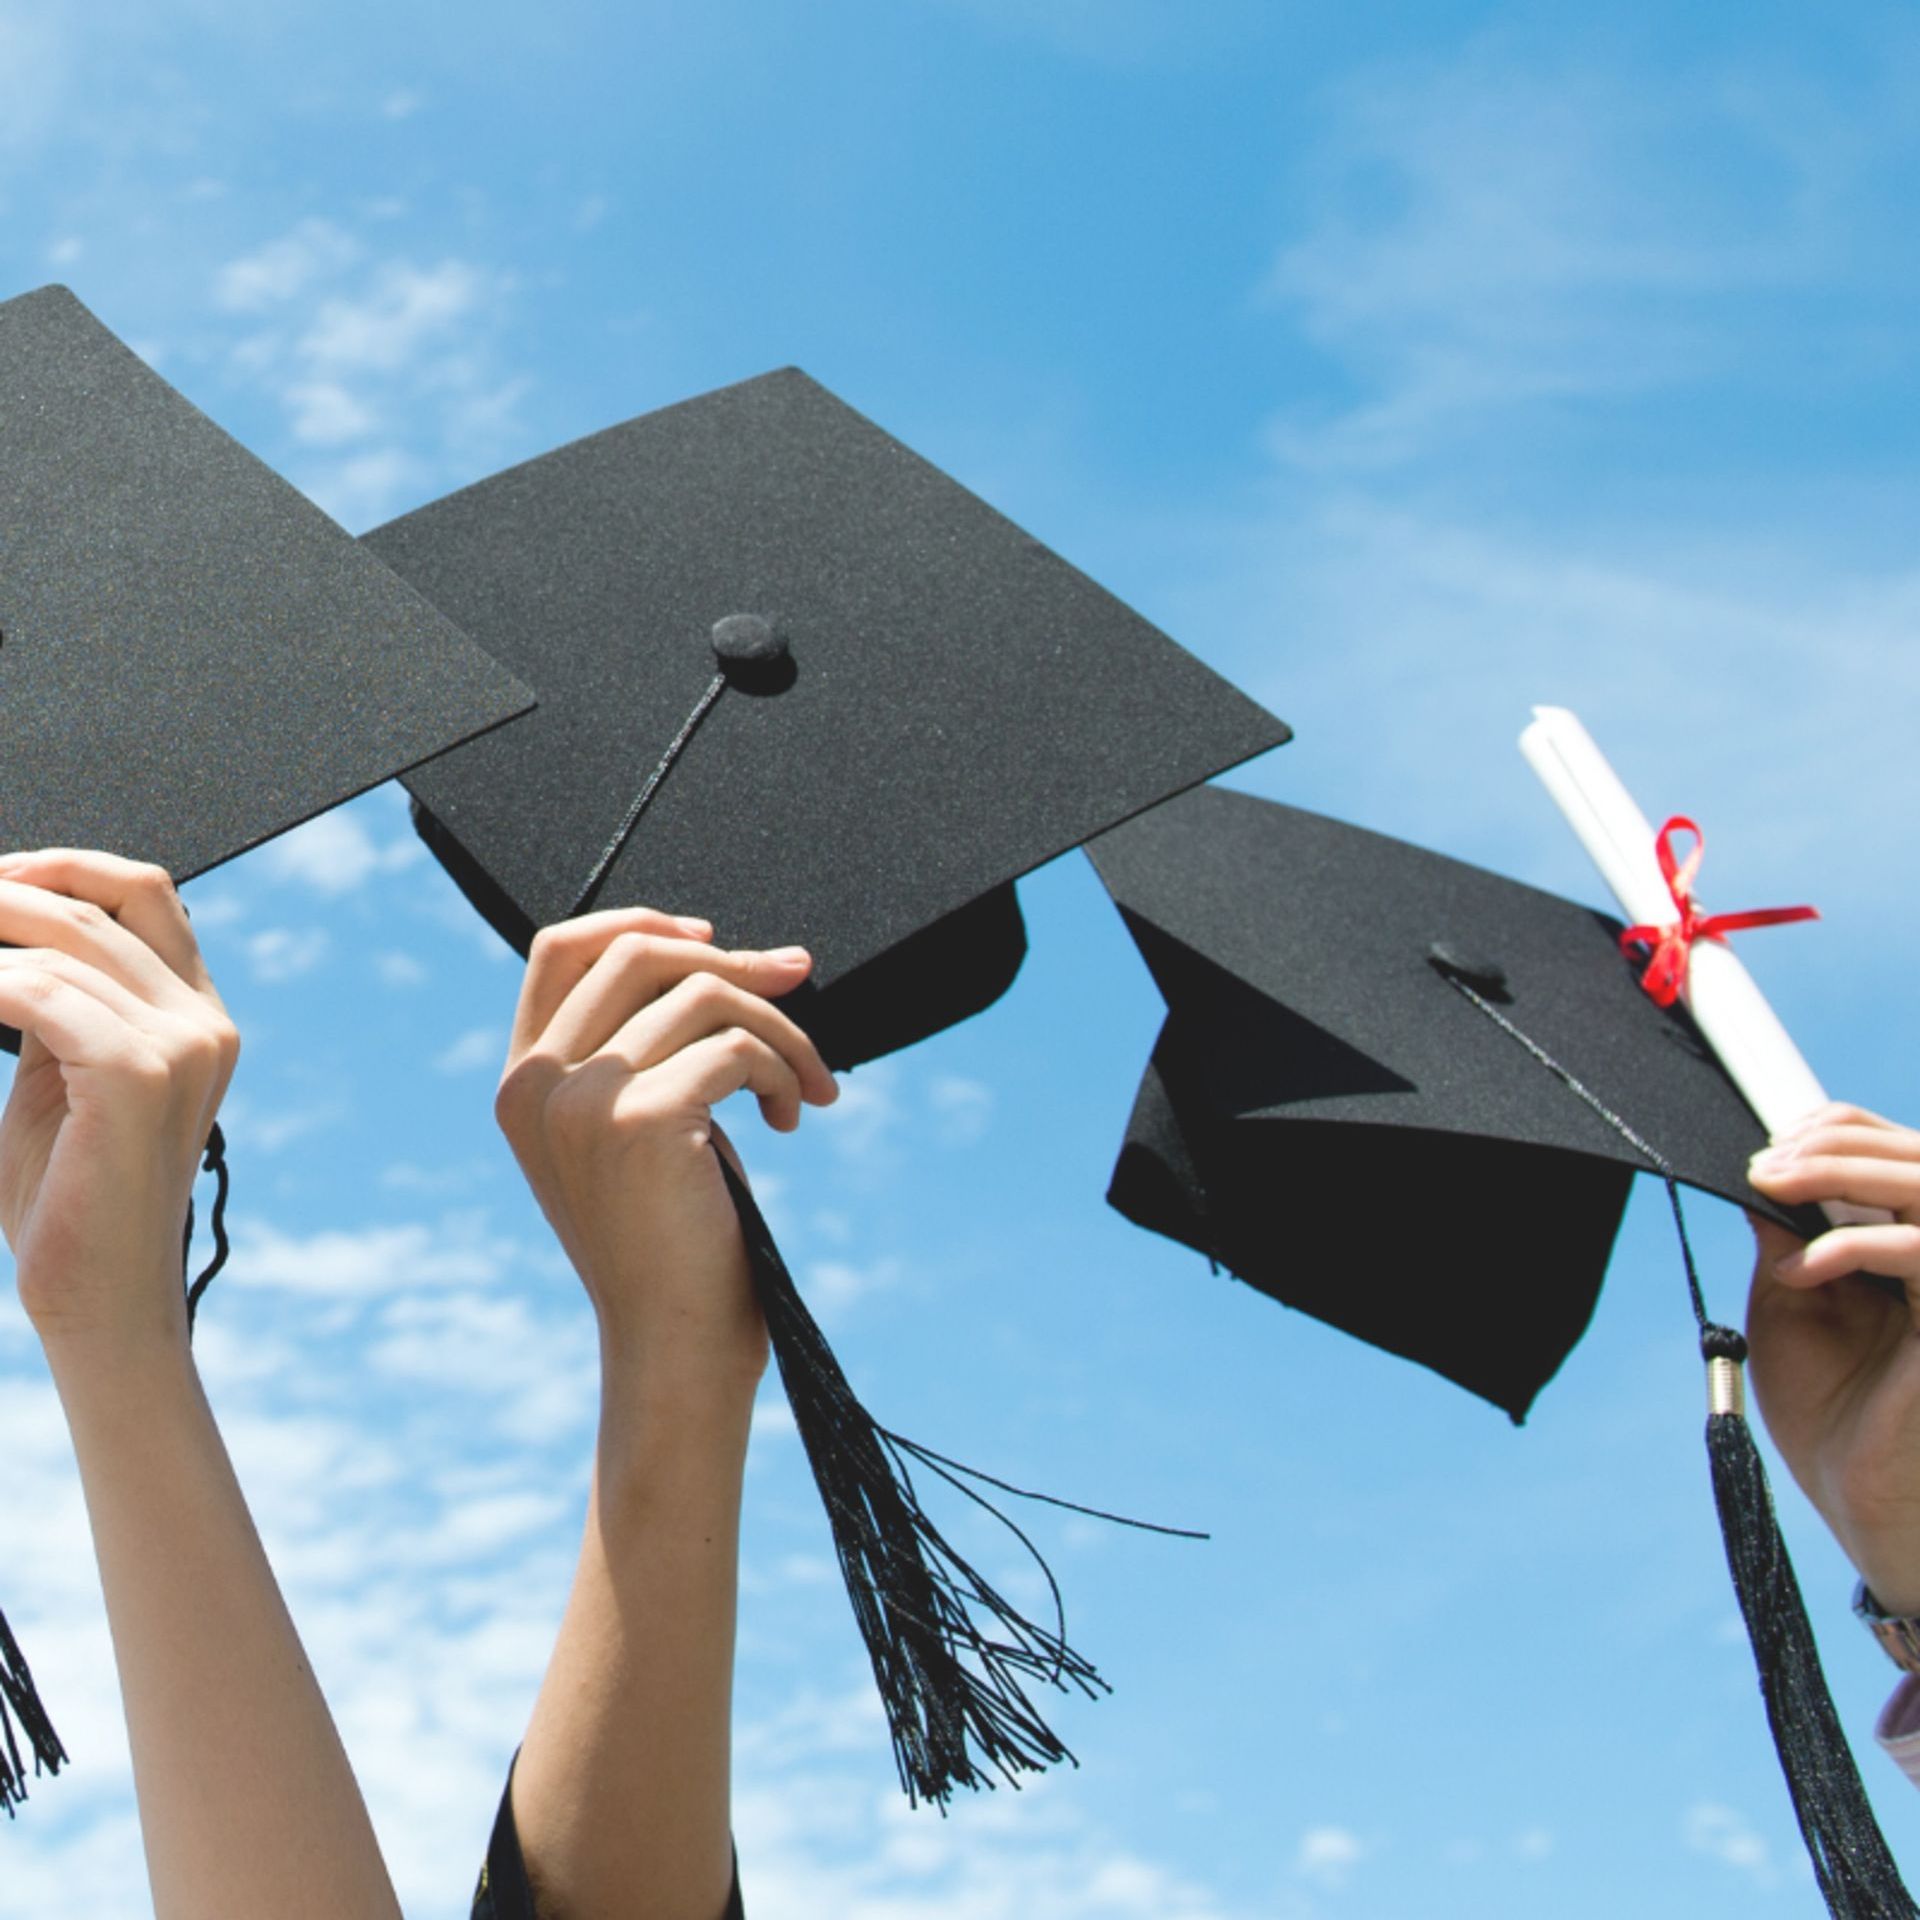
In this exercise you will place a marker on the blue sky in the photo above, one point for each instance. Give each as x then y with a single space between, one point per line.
1410 364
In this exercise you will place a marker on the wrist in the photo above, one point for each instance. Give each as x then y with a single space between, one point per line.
150 1342
654 1414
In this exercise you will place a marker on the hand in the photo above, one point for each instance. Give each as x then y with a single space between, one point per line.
125 1055
631 1026
1835 1364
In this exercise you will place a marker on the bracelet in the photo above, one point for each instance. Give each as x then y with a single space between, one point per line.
1899 1637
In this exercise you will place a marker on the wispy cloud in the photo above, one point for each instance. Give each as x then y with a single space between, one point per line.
384 366
285 268
1492 232
1730 1838
277 954
1328 1855
477 1049
336 853
368 1261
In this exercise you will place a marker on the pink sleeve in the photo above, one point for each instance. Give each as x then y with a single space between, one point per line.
1898 1728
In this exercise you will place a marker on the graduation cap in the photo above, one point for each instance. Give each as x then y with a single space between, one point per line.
796 680
193 657
1317 1059
1359 1030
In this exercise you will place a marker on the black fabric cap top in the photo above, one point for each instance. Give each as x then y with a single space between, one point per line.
949 703
1331 1119
193 657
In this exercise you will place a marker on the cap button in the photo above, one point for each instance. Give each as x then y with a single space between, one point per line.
1485 976
748 640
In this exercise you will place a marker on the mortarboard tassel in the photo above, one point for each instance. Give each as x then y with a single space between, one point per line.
954 1694
19 1697
215 1163
1852 1863
19 1700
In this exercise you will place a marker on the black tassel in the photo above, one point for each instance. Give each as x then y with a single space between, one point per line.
215 1163
19 1700
953 1689
1851 1860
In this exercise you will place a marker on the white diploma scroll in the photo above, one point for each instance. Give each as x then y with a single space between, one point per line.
1730 1011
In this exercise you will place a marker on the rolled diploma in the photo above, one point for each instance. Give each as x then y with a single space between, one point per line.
1730 1011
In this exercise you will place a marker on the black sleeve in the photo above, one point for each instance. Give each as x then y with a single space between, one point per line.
503 1892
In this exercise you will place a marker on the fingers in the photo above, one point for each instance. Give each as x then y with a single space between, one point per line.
140 897
561 955
1893 1251
32 916
710 1070
1863 1163
76 1027
704 1006
637 969
118 1000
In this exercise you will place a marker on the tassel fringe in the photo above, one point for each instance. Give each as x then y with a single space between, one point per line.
1851 1860
1855 1869
952 1656
20 1702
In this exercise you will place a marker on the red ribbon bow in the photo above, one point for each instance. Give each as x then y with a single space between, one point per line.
1672 944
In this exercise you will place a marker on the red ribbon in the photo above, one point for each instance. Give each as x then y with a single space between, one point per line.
1666 971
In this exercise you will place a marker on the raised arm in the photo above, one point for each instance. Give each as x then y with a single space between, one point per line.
247 1804
631 1027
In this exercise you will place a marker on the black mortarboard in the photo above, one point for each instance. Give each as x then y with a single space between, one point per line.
1318 1069
193 657
924 702
798 681
1364 1038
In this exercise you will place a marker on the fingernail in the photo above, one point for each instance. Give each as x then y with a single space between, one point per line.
789 956
1789 1264
1770 1159
694 926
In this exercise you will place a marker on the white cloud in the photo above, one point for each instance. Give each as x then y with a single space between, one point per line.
35 61
398 969
1724 1835
368 1261
962 1109
335 853
833 1286
1484 234
1328 1855
274 1131
402 104
477 1048
542 1370
277 954
405 310
325 414
278 272
363 491
65 251
385 363
862 1122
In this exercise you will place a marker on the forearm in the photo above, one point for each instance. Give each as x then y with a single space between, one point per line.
622 1790
248 1806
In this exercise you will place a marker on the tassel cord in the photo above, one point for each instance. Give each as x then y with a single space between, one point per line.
215 1163
950 1653
1852 1864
